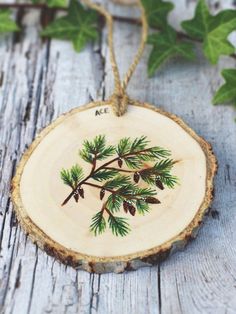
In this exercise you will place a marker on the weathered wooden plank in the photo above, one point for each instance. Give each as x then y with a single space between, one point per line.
27 102
39 83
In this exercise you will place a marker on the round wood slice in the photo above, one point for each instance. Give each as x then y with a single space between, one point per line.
63 231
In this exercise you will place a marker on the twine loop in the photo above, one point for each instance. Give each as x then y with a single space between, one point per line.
119 99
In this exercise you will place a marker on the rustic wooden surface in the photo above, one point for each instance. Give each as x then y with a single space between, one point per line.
40 80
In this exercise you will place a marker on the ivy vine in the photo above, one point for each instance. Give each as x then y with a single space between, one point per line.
80 26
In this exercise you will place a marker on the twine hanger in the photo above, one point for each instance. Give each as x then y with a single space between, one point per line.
119 99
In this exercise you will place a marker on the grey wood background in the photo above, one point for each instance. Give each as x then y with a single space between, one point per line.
39 81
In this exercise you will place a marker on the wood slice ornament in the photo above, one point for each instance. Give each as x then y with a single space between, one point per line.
105 191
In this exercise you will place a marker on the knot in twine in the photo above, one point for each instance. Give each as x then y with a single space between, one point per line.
119 102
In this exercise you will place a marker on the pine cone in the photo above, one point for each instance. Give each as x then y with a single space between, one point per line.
102 193
159 184
132 209
76 196
126 206
152 200
129 208
81 192
136 177
120 162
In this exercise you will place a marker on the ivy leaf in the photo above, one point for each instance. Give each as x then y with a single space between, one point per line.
51 3
157 12
165 46
79 26
227 92
212 30
56 3
6 23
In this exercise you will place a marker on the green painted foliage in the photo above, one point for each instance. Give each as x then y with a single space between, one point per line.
117 179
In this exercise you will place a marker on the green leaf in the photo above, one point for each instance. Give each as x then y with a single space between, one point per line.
79 26
98 224
103 175
157 12
165 46
198 26
227 92
118 225
212 30
51 3
56 3
6 23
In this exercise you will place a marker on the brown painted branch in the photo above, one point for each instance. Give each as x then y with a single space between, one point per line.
129 197
98 186
100 168
108 212
121 170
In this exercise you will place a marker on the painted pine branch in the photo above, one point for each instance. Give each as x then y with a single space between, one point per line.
118 178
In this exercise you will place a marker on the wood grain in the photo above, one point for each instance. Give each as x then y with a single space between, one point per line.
38 82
